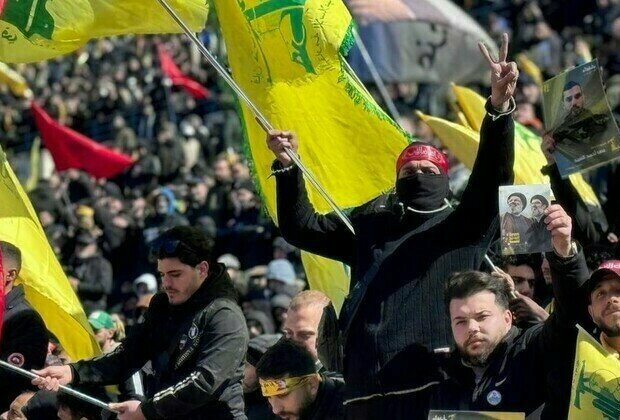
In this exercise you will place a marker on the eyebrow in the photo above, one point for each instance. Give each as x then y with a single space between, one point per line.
483 312
171 272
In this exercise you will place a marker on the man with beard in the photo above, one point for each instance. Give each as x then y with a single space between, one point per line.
499 367
193 334
579 131
288 379
538 238
515 226
604 306
407 243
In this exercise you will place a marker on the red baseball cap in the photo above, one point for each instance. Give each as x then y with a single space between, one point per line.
606 267
423 151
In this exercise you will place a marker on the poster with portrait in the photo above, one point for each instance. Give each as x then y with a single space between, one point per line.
579 120
522 216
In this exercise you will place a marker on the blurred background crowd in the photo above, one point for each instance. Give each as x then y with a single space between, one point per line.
191 164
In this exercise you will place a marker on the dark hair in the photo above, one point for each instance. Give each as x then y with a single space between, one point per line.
571 84
534 261
285 358
189 244
521 197
468 283
11 252
541 199
78 407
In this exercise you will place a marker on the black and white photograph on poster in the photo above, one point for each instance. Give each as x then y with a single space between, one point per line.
578 120
522 211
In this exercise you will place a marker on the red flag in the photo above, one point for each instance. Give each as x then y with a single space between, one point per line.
174 73
1 293
72 150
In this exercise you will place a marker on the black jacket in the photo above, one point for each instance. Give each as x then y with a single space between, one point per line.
589 222
529 367
24 343
197 350
328 402
394 310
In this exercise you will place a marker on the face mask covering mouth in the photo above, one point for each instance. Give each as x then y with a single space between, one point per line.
424 193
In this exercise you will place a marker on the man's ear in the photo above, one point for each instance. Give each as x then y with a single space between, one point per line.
11 275
314 384
203 269
508 318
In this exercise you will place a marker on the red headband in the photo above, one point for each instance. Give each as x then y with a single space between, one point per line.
420 151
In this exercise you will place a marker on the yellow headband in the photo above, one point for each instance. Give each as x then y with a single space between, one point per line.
273 387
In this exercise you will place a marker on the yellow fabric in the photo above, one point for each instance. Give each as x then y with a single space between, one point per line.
35 165
13 80
595 392
530 68
329 276
529 159
285 54
47 288
472 105
34 30
273 387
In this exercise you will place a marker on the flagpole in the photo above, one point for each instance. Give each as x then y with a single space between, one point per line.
375 75
260 118
62 388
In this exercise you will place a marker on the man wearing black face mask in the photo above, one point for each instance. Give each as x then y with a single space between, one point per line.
407 243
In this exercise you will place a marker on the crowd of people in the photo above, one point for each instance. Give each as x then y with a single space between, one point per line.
211 316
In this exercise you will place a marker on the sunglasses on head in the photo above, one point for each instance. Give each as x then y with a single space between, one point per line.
167 247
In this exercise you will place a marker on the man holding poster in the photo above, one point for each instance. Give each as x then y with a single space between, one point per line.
582 131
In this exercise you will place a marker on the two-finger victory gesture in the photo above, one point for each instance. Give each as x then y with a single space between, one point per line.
504 75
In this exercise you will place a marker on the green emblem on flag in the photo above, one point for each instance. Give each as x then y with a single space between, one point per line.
294 11
603 393
30 17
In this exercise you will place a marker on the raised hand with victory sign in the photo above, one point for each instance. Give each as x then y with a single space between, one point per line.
504 75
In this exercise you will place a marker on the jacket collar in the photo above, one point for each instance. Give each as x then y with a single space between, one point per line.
14 296
326 392
501 349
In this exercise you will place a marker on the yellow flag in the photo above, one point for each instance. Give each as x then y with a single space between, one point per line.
530 68
35 30
463 143
35 165
529 159
596 382
47 288
13 80
286 55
